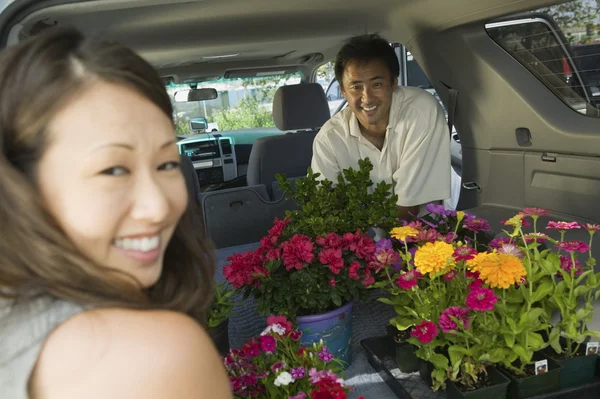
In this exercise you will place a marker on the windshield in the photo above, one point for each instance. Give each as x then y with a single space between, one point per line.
242 103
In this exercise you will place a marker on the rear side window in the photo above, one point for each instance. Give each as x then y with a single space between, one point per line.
560 45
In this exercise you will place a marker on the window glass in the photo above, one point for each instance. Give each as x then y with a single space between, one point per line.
241 103
560 45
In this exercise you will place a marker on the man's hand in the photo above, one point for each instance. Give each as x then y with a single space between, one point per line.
409 213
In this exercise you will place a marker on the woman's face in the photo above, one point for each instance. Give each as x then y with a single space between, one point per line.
111 177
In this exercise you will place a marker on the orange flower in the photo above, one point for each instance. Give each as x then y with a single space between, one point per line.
434 257
498 270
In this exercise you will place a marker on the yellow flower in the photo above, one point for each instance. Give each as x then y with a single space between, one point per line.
400 233
498 270
460 215
432 258
515 221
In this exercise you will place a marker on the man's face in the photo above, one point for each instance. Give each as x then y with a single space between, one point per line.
368 88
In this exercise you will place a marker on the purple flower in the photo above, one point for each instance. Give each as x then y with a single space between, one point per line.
278 366
496 243
477 225
435 209
324 355
450 237
298 372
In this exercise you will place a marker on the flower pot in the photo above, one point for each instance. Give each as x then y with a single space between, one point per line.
220 337
497 390
575 371
406 359
334 328
425 370
526 387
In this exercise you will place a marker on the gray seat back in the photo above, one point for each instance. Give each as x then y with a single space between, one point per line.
295 107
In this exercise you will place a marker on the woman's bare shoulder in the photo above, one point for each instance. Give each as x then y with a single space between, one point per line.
120 353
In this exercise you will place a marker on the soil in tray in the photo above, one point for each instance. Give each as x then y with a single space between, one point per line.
529 371
564 355
483 381
397 335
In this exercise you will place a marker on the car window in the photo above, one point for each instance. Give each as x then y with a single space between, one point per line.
326 78
416 77
242 103
560 45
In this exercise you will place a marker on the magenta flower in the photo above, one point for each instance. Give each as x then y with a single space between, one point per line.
592 227
387 257
481 299
477 225
475 284
278 366
562 226
496 243
425 332
268 343
511 249
425 235
300 395
474 275
566 263
450 275
450 237
409 279
295 335
461 314
298 372
464 253
537 237
573 246
332 282
535 212
324 355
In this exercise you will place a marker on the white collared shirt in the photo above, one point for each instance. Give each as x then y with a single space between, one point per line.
414 159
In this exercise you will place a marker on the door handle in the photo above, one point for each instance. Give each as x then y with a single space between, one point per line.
471 185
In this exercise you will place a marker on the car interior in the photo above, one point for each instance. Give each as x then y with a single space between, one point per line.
525 84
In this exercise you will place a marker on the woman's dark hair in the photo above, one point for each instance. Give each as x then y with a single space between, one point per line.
365 48
37 78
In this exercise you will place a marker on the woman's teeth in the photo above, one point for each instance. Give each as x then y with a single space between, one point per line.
138 244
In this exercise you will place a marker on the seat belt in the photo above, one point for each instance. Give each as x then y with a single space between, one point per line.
452 98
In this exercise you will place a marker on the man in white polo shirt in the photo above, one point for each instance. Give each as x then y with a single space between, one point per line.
402 130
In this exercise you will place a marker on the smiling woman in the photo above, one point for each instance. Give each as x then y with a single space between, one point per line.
101 265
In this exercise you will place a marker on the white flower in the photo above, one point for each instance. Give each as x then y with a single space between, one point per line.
278 328
284 378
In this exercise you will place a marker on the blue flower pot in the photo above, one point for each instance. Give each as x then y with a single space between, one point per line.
334 328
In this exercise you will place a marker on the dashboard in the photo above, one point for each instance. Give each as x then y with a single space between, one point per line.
213 157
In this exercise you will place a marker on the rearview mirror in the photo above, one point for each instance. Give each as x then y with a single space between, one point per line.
198 123
195 95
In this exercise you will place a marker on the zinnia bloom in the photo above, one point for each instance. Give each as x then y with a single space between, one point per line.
425 332
425 235
461 314
409 279
496 243
566 263
450 275
535 212
562 226
537 237
498 270
477 225
464 253
592 227
511 249
475 284
573 246
400 233
434 257
481 299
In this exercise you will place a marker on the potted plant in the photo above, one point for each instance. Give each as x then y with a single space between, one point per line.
318 260
218 316
276 365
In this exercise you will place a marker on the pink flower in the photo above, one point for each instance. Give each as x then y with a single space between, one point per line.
348 240
496 243
566 263
300 395
281 320
298 372
353 270
425 235
278 366
535 212
332 240
511 249
450 237
537 237
368 279
461 314
324 355
464 253
387 257
333 258
364 247
592 227
295 335
297 251
409 279
563 226
273 254
573 246
481 299
244 269
267 242
332 282
477 225
425 332
475 284
450 275
278 227
268 343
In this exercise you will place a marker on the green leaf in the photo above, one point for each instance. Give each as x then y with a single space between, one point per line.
582 290
402 323
439 361
544 289
524 354
535 341
509 339
456 354
387 301
497 354
591 333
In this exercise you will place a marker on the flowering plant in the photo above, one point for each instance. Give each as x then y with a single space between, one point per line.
304 275
222 305
275 365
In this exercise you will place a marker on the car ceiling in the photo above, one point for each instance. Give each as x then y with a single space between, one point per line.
176 35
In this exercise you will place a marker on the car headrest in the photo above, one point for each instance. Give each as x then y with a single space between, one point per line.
299 107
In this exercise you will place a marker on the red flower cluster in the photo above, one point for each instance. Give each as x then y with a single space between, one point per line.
245 269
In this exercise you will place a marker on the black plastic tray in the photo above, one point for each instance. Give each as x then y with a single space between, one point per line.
381 354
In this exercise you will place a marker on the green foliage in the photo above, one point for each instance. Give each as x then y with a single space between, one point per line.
222 305
345 207
182 125
573 14
249 113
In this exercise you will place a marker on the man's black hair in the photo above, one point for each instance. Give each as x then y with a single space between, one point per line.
365 48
